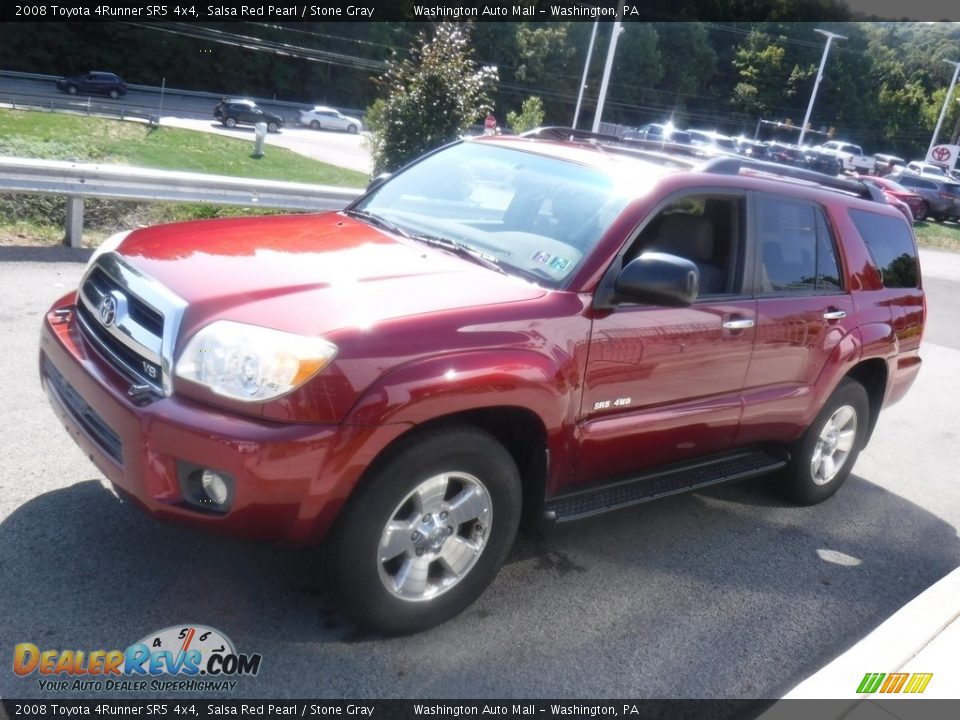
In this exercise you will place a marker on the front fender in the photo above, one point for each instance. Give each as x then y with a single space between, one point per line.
431 388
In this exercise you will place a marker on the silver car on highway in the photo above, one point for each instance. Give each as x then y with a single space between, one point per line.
325 118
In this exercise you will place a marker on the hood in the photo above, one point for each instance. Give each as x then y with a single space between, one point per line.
310 274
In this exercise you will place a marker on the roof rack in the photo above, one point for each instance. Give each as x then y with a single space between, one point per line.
733 166
689 156
557 132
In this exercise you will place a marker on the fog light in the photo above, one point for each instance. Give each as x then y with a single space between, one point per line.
215 487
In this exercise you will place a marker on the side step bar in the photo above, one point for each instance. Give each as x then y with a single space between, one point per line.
658 484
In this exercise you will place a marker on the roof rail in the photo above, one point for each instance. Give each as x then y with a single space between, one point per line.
733 166
557 132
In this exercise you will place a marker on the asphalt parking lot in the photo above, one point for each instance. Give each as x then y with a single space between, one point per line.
724 593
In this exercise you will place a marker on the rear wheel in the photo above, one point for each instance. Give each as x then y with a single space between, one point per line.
922 211
272 127
427 533
315 124
823 458
114 94
72 89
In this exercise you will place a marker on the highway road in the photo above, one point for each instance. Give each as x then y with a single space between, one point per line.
724 593
196 113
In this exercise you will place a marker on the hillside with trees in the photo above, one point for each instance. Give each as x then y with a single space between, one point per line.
883 87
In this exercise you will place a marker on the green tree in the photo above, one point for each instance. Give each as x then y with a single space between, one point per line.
529 117
430 98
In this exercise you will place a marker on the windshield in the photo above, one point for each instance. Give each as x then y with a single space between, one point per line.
536 216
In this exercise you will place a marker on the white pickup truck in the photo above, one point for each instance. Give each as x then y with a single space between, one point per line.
851 156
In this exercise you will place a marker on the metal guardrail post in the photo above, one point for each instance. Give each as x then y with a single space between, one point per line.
74 226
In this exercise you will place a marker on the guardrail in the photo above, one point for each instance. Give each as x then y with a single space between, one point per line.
78 181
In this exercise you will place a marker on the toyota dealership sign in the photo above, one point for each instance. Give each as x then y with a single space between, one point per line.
944 155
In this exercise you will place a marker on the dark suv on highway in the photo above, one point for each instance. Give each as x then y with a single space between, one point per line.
93 83
550 326
246 112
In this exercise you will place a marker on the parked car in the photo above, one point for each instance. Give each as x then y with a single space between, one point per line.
825 163
324 118
886 164
95 82
712 142
246 112
503 328
917 207
786 154
852 158
918 167
752 148
657 132
942 195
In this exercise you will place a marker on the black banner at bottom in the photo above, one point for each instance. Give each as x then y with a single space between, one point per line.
854 709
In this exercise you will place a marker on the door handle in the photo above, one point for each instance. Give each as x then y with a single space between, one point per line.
738 324
834 315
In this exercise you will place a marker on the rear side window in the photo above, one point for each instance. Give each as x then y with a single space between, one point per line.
891 246
797 251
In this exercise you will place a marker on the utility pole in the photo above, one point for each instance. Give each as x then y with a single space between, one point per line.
607 68
586 68
816 85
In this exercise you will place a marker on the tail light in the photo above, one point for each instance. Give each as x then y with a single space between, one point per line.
947 196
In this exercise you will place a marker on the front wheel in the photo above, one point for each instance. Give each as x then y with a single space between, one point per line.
230 122
426 533
114 94
352 129
273 127
315 124
823 458
72 89
922 212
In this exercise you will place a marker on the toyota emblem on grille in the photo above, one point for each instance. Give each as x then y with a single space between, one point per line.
108 310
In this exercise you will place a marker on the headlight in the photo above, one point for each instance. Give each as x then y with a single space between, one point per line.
249 362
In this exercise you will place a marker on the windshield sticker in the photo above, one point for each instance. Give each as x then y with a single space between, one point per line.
559 263
541 257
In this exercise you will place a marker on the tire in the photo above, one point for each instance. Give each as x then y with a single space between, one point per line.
114 94
352 129
922 212
230 122
272 127
315 124
72 89
453 499
937 218
823 458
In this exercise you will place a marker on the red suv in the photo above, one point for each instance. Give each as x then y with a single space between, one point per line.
550 326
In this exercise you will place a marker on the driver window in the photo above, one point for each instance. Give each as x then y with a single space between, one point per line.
704 229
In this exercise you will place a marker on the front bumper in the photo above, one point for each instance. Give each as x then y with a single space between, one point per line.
290 481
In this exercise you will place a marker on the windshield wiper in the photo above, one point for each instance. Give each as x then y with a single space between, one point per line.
380 222
461 250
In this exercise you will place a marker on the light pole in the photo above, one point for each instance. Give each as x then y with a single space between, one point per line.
946 100
611 51
816 85
586 68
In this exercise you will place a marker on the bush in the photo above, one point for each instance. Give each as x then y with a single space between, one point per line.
529 117
430 99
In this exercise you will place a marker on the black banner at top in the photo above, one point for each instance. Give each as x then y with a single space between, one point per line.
475 11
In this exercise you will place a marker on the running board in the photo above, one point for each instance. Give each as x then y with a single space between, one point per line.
651 486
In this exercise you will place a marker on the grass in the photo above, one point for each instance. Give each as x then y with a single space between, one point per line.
942 236
38 220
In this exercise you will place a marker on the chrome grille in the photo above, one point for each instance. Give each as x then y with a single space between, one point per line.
131 319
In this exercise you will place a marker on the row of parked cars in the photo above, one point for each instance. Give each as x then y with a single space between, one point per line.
920 190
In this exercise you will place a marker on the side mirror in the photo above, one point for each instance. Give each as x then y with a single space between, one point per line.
657 278
378 181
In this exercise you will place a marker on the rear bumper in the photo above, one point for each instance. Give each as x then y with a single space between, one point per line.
290 481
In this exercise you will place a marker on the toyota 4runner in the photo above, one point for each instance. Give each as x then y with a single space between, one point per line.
549 326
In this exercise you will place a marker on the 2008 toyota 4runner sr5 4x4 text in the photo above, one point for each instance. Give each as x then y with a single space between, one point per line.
550 326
